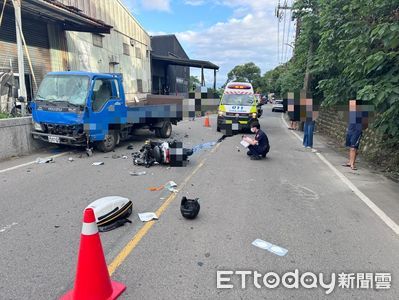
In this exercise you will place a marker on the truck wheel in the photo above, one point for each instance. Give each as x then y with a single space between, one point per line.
218 129
166 130
109 142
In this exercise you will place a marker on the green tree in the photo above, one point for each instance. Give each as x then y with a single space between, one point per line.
194 83
248 72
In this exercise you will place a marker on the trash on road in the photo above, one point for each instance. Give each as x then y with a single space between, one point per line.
124 157
111 212
147 216
40 160
171 186
115 156
98 163
270 247
154 188
130 147
71 159
138 173
189 208
204 146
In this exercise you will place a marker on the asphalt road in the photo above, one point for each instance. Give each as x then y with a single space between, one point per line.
291 199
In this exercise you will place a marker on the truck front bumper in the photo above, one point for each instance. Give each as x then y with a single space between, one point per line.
79 140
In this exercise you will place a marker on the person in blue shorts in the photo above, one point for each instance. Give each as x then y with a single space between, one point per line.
354 133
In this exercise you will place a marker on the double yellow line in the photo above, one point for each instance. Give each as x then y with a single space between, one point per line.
124 253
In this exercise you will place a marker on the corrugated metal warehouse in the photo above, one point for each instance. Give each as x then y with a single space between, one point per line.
91 35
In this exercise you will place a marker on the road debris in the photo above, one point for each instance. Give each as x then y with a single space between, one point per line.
154 188
189 208
204 146
115 156
130 147
71 159
98 163
171 186
40 160
138 173
270 247
124 157
147 216
8 227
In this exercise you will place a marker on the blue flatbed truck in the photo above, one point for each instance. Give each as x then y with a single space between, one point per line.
85 109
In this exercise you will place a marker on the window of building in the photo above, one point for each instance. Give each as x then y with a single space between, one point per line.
126 49
138 52
97 40
139 85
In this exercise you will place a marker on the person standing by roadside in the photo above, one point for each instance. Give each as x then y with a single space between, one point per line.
308 128
354 131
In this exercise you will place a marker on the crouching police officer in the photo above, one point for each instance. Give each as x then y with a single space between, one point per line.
259 146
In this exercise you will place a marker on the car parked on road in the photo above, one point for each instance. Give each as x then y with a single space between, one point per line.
278 106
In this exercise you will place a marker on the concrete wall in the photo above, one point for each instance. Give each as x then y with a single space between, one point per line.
15 138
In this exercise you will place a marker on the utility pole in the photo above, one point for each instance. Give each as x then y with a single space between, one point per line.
20 50
280 13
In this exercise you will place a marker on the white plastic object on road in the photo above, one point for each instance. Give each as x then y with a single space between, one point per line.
98 163
171 186
40 160
138 173
270 247
147 216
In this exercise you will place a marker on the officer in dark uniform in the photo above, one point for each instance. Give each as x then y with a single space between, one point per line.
259 146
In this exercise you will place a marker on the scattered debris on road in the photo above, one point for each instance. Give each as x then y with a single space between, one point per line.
200 147
40 160
138 173
130 147
71 159
154 188
147 216
189 208
98 163
270 247
8 227
171 186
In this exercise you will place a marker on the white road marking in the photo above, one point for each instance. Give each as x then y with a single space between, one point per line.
29 163
383 216
7 227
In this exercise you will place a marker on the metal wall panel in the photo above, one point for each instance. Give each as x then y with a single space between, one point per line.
36 36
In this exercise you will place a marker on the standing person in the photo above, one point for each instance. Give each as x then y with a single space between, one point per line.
354 133
308 128
259 146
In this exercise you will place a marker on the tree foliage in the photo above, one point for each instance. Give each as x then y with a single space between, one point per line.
351 49
248 72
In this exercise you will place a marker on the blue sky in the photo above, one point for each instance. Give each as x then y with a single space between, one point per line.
227 33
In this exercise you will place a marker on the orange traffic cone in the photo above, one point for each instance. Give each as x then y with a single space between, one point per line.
92 277
206 121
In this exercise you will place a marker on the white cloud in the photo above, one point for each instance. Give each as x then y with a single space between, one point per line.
194 2
250 35
160 5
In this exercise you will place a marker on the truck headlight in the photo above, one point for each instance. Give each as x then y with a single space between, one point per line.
221 113
254 115
37 126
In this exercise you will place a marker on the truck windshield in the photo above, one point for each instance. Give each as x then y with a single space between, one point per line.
238 99
64 88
